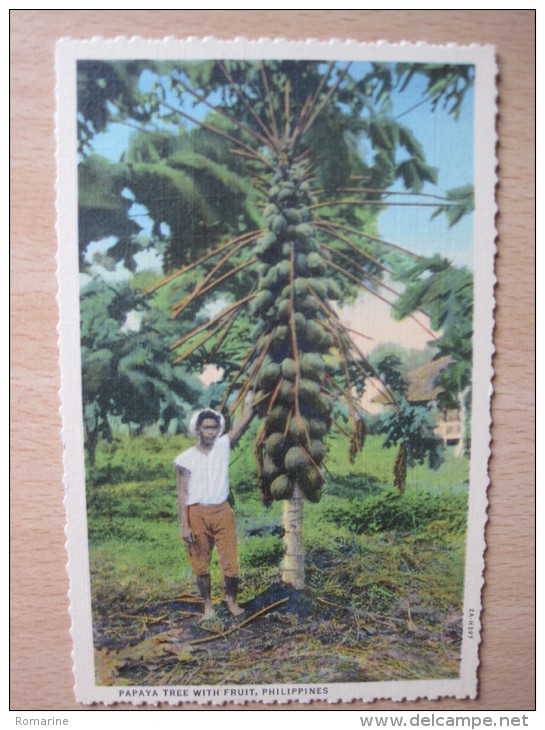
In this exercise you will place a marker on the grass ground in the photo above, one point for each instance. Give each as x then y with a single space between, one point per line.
384 575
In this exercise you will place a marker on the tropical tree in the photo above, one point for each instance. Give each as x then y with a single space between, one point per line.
445 293
126 373
322 151
406 425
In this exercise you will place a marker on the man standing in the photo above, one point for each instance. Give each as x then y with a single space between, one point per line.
204 514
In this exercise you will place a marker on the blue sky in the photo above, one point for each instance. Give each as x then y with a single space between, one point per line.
448 146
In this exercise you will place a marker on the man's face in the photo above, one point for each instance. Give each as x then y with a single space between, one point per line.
208 431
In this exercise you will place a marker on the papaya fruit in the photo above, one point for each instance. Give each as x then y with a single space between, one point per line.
274 444
312 366
270 210
279 225
269 375
281 487
276 419
297 430
309 390
270 468
286 392
317 428
280 336
319 285
311 481
315 263
333 290
262 302
296 460
288 368
293 216
305 231
317 450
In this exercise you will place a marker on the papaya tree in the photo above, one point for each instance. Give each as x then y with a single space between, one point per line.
322 152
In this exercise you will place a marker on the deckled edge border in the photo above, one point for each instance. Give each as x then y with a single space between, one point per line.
486 108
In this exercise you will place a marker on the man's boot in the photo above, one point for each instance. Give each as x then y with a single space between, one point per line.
205 589
230 587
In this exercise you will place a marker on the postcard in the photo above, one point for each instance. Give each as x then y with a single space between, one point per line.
276 295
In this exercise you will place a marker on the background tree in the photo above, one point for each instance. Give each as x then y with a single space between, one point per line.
126 372
410 427
445 293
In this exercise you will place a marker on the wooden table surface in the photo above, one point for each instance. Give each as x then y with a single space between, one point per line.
41 665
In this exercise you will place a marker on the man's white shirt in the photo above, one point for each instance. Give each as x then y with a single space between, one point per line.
208 472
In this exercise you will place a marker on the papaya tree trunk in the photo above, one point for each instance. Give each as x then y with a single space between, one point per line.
293 570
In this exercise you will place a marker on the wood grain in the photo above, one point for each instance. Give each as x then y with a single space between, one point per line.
41 667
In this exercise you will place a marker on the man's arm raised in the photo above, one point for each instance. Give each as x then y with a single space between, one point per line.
243 420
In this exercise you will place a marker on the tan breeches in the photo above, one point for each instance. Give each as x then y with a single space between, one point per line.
213 525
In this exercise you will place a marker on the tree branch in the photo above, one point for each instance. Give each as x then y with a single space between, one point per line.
180 272
211 322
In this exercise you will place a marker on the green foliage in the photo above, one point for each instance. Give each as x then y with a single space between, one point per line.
413 426
190 182
103 210
262 553
413 511
318 148
445 293
462 202
380 568
389 369
104 90
448 84
126 373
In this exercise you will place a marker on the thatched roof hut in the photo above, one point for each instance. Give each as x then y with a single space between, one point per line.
422 382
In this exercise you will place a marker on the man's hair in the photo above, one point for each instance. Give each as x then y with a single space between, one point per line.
208 413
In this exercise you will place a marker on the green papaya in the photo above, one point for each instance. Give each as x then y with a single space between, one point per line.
312 366
274 444
292 215
288 368
282 487
285 193
317 450
296 460
305 231
280 335
269 376
283 309
270 210
301 264
323 405
300 321
261 302
317 428
315 263
311 481
333 290
279 225
309 390
300 287
319 285
276 419
270 468
297 430
286 392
